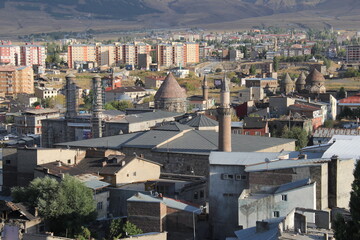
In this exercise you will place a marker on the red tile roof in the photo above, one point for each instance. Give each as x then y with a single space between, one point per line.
352 99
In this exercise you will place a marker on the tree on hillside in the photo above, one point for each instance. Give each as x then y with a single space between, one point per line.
66 206
253 69
118 229
276 61
341 93
345 230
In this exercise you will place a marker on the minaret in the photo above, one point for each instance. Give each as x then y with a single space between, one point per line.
224 113
205 89
97 107
71 98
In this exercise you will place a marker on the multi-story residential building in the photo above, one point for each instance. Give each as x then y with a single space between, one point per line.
81 53
106 55
352 54
179 54
164 54
30 121
192 52
9 54
14 80
32 55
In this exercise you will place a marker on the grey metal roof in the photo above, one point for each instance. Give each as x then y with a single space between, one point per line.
149 116
169 202
202 121
251 234
240 158
344 147
112 142
96 184
150 139
203 142
282 164
172 126
293 185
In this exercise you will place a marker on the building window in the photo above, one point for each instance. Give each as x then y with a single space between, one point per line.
276 214
202 195
237 177
134 174
99 205
243 177
7 162
284 197
257 133
196 195
224 176
69 161
247 133
231 176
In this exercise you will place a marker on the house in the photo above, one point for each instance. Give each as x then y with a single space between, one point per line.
352 102
30 120
159 214
43 92
268 84
277 202
324 135
251 94
255 126
16 218
154 81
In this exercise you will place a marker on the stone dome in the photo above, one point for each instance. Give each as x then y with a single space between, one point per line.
314 77
301 79
170 88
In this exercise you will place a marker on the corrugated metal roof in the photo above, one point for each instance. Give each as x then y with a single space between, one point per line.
169 202
329 132
282 164
151 139
202 121
96 184
251 234
172 126
240 158
344 147
293 185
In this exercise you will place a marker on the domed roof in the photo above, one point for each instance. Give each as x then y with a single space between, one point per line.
170 88
287 79
314 76
301 79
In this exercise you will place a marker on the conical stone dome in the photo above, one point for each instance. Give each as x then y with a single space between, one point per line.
301 79
170 88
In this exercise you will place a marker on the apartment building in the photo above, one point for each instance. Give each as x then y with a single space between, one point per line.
164 54
32 55
352 54
177 54
9 54
14 80
192 52
110 54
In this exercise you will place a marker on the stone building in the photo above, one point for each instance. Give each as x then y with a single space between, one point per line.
300 82
315 82
170 96
287 85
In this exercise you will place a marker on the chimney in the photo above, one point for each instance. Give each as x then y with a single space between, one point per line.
205 88
332 181
36 212
262 226
97 107
224 114
58 163
71 98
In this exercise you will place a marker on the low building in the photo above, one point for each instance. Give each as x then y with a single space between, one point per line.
154 81
276 203
324 135
352 102
255 126
43 92
30 120
269 85
133 92
159 214
251 94
180 72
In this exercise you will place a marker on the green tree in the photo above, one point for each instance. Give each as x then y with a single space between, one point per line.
115 229
218 70
297 133
276 61
253 69
66 206
84 235
118 105
341 93
131 229
329 123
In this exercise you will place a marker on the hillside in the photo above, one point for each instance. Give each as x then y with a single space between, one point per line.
34 16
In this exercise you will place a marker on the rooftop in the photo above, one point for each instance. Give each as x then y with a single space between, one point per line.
170 88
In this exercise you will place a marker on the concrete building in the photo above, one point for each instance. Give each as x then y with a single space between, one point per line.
159 214
154 81
352 54
14 80
268 84
277 202
10 54
81 53
33 55
227 180
30 120
235 55
170 96
134 93
44 92
324 135
177 54
251 94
